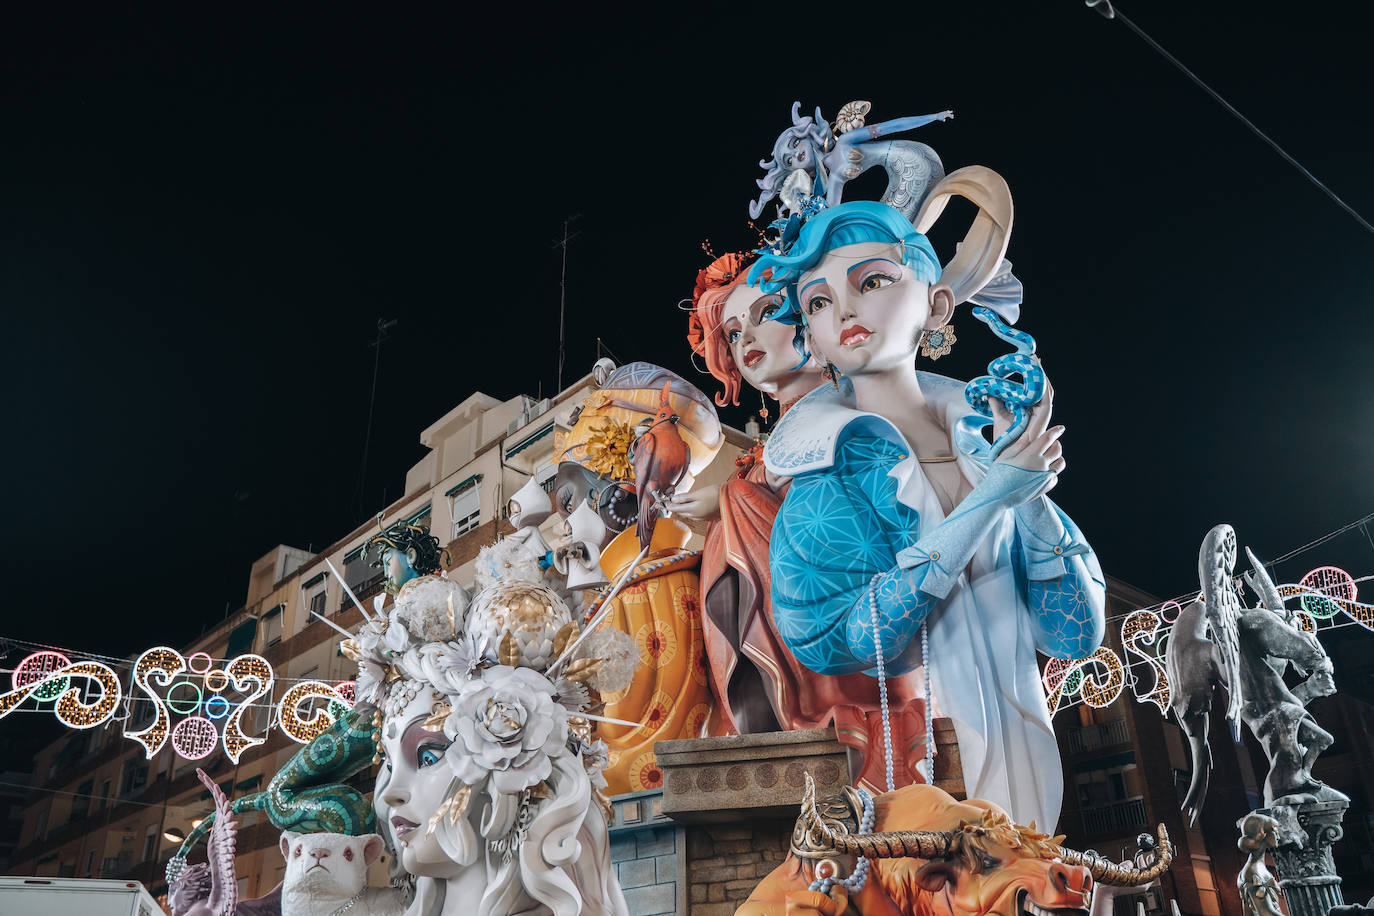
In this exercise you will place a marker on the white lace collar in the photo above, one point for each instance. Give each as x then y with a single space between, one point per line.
807 436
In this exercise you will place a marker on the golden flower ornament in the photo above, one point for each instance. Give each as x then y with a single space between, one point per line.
608 450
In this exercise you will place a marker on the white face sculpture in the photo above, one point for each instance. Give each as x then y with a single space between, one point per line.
328 864
762 348
411 786
865 309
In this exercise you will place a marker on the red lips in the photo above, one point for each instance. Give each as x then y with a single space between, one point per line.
752 357
854 334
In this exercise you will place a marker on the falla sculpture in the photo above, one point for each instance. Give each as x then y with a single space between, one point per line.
888 550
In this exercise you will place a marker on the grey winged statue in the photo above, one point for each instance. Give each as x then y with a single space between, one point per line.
1218 641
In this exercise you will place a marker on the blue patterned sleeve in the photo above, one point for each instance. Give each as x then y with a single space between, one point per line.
836 530
842 531
1065 587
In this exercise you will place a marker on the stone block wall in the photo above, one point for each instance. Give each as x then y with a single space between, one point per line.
650 855
726 861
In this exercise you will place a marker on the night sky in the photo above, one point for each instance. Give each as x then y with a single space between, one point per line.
202 221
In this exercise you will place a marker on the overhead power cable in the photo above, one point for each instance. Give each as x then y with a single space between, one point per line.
1109 11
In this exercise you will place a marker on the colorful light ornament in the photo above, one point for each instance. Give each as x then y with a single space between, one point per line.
195 737
217 680
299 728
188 706
69 708
1329 581
1100 680
161 664
1142 628
36 667
253 675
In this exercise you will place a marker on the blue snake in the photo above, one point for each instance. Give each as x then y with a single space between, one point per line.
1019 397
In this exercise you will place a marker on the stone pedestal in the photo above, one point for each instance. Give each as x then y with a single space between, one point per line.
738 799
1302 858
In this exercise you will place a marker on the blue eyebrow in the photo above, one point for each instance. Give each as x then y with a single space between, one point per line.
869 261
813 283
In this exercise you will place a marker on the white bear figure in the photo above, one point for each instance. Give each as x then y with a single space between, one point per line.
326 871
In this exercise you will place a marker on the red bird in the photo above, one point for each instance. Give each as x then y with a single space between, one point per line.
660 457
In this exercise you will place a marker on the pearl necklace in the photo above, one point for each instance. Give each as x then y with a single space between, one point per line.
348 904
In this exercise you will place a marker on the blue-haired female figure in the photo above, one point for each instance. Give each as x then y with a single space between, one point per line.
899 516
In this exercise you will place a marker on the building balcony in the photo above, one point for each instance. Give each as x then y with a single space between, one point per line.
1096 737
1118 817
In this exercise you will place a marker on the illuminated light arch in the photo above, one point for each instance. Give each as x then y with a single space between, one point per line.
221 679
205 669
195 737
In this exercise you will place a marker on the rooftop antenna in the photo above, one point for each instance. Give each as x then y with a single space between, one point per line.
563 286
383 325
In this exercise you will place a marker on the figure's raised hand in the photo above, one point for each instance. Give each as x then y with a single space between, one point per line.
1038 447
701 504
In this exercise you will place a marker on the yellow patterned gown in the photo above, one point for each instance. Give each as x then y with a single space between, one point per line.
659 606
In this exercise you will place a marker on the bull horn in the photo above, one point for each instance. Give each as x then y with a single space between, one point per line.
896 844
1105 871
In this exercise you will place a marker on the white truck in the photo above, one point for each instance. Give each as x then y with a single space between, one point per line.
75 897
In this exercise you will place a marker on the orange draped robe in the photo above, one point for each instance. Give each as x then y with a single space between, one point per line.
660 607
756 682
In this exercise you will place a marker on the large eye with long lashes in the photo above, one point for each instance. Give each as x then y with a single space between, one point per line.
875 281
733 335
429 755
815 304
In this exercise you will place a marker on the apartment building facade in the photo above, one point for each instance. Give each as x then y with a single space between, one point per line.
100 809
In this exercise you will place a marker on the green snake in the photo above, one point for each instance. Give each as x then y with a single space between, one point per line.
307 795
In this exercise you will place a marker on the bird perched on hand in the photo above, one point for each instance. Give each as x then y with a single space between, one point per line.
660 457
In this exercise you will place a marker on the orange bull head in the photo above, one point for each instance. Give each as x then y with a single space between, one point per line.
935 856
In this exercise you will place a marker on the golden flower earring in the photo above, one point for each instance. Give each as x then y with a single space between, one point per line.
938 343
